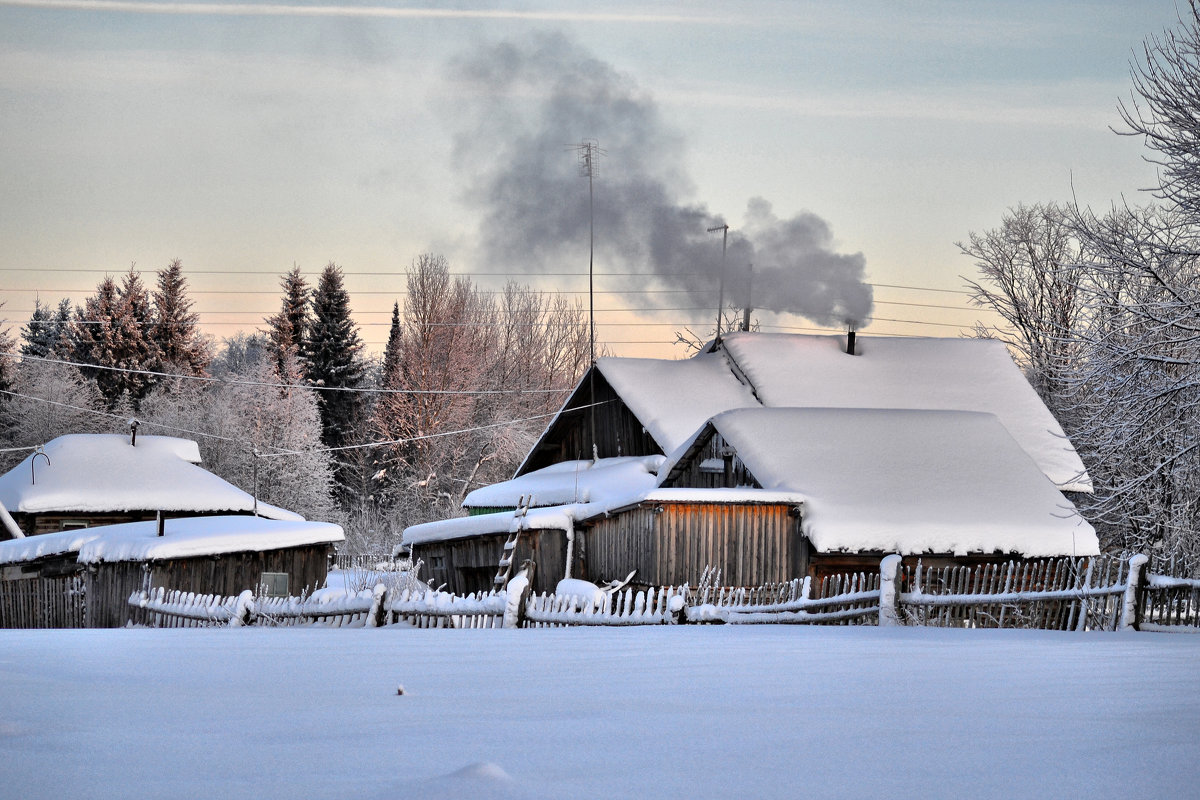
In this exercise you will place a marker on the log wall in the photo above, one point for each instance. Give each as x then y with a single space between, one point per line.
750 543
469 565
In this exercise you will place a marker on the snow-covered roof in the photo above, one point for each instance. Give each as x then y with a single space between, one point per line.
672 399
103 473
553 518
912 373
183 538
906 481
572 482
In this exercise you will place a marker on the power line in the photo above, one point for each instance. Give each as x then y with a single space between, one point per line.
272 385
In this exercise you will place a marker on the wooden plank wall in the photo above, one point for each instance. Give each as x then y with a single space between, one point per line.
41 602
110 584
469 565
750 544
618 431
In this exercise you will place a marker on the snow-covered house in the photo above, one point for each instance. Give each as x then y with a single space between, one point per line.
91 518
84 577
785 455
81 480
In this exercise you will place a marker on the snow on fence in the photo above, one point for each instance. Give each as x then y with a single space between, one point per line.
434 609
1105 593
651 607
162 608
1048 594
839 600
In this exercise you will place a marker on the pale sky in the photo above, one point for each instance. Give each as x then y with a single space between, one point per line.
243 138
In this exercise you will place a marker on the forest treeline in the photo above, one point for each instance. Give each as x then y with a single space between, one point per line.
296 411
1103 312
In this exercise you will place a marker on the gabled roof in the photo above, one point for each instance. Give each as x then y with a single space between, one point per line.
672 399
104 473
912 373
906 481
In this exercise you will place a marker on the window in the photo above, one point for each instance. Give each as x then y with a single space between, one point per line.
73 524
273 584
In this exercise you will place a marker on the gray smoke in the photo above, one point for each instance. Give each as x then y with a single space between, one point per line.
519 106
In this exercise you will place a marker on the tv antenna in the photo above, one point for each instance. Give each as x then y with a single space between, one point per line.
590 152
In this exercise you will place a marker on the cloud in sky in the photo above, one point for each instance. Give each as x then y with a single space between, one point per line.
522 104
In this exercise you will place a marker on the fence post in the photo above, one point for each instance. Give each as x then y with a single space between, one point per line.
889 590
1131 608
375 617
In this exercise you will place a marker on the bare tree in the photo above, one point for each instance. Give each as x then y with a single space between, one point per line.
1030 269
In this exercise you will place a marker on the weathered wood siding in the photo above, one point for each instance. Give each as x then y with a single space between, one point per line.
692 472
42 602
109 585
469 565
750 543
618 431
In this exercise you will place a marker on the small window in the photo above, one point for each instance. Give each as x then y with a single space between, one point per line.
437 562
273 584
73 524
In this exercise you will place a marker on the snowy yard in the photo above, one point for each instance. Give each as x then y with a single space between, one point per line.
654 712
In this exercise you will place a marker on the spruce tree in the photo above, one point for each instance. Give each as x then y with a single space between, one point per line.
37 331
174 328
333 359
111 331
287 330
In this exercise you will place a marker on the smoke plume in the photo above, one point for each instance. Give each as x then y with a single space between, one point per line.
519 106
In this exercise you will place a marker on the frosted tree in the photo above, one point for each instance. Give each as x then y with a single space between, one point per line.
175 327
1030 269
282 425
333 362
50 400
7 347
111 331
287 329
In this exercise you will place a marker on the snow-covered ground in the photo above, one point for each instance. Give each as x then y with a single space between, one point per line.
687 712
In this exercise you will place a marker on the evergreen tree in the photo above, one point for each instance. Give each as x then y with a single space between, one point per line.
174 327
111 331
7 345
38 333
333 359
287 330
391 351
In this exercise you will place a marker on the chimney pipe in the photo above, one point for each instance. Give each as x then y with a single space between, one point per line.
850 342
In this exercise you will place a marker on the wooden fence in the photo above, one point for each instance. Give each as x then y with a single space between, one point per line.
1104 593
43 602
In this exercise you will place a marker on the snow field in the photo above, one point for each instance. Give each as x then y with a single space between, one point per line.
667 712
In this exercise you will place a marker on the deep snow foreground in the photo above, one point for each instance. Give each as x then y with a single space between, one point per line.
688 712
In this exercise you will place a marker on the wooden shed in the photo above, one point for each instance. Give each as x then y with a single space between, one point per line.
84 578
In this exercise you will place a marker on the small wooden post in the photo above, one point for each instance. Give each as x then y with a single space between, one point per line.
1131 608
889 591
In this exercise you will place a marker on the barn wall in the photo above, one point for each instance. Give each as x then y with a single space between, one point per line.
469 564
618 431
110 584
749 543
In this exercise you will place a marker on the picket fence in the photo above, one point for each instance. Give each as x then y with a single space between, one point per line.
1056 594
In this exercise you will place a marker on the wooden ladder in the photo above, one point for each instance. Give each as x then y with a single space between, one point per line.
504 570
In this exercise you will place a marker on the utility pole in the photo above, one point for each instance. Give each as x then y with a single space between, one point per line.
721 293
589 151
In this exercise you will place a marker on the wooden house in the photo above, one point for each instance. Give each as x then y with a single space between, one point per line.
785 456
83 480
84 577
